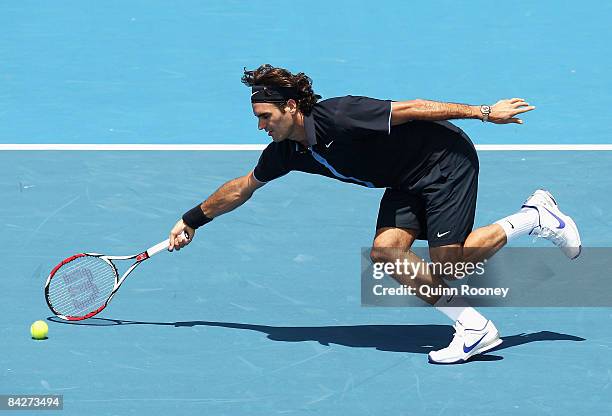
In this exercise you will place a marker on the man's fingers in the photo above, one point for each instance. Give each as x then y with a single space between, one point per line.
177 241
183 239
180 240
515 100
171 242
524 109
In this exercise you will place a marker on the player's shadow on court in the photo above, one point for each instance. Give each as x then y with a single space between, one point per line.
418 339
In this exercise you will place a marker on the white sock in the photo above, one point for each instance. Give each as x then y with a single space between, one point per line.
457 309
521 223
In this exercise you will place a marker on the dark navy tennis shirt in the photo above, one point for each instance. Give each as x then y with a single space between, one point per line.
351 139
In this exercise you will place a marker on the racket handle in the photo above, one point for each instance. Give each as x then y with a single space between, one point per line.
162 246
158 247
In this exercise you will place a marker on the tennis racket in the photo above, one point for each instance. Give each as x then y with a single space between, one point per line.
82 285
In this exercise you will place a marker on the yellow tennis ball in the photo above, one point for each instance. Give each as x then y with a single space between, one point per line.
39 330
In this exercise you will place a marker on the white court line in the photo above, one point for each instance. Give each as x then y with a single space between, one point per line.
544 147
122 146
250 147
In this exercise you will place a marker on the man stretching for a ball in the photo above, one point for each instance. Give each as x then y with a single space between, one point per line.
428 166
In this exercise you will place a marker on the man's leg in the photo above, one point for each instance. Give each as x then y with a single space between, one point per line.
474 334
400 219
480 244
539 216
450 207
392 244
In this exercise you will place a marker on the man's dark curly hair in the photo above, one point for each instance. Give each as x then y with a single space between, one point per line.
280 77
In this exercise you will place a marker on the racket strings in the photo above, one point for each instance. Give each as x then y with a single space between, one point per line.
81 286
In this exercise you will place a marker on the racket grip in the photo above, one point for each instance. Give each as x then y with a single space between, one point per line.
161 246
158 247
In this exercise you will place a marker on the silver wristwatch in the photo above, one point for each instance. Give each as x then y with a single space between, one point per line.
485 110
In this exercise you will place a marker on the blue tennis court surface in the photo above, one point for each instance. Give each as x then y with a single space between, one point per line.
261 314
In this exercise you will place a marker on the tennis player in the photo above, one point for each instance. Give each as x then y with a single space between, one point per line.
428 166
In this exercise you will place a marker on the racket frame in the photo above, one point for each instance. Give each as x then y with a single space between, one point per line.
145 255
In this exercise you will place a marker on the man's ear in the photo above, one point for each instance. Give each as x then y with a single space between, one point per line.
292 105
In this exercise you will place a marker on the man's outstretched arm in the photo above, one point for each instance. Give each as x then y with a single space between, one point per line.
228 197
502 112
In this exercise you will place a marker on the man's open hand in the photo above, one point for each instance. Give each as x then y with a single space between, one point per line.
505 111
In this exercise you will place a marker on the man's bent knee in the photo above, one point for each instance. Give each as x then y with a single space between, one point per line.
379 254
391 243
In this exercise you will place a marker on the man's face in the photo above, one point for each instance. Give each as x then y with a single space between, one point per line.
279 125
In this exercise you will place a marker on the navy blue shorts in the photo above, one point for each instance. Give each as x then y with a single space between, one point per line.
441 205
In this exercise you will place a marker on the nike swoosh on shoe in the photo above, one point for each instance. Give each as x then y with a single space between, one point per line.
467 349
561 222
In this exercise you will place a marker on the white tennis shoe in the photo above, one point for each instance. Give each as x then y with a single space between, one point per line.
554 226
466 343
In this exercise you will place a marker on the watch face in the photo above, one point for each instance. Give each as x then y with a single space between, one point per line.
485 109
